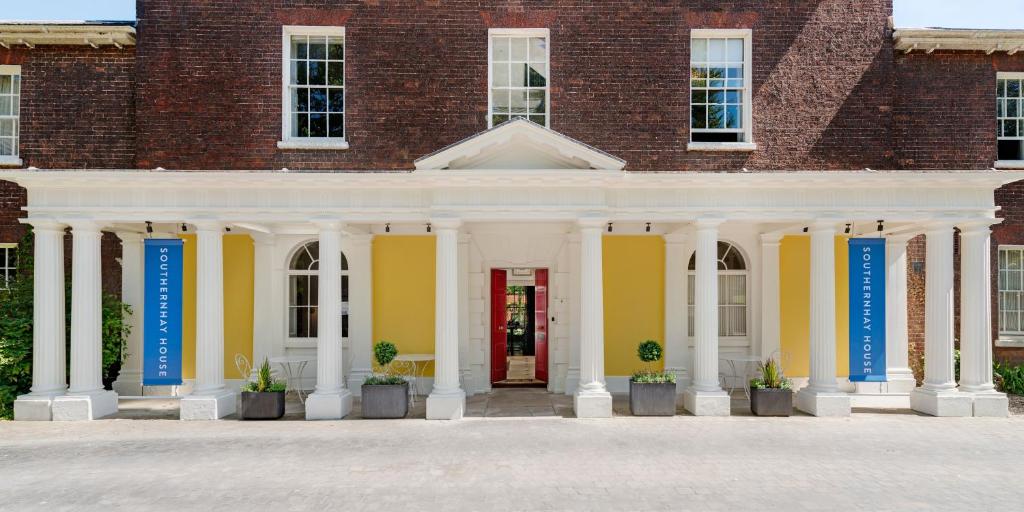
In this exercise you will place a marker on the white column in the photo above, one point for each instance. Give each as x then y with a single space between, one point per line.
822 397
49 378
592 399
939 396
465 368
898 373
263 335
86 398
676 350
572 374
360 308
331 400
129 380
447 401
209 399
976 321
771 345
705 396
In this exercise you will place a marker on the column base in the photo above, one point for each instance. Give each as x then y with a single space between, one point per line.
707 403
355 381
34 407
592 404
991 404
208 406
823 404
128 384
901 381
951 403
328 406
448 406
85 407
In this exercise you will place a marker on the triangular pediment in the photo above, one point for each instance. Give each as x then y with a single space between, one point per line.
519 144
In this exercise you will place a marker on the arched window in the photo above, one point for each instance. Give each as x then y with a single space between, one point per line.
303 292
732 291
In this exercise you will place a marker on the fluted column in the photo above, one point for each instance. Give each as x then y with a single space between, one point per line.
939 396
330 401
592 399
976 321
359 251
676 350
771 345
209 398
447 401
572 374
129 380
705 396
822 397
48 341
263 303
899 375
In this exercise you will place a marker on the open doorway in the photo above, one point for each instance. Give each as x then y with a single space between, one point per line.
519 327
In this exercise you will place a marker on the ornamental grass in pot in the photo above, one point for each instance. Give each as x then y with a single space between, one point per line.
263 398
385 395
652 393
771 394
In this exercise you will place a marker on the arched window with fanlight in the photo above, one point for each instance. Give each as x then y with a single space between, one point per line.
732 291
303 292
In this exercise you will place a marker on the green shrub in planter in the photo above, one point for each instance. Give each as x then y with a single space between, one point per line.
263 398
652 393
385 396
771 394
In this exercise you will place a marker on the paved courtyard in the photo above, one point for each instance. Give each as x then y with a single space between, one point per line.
523 459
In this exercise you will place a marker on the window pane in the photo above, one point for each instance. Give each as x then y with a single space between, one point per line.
300 100
318 73
5 105
1013 89
541 120
300 125
699 50
300 50
698 97
735 50
1013 260
336 48
716 117
313 323
734 117
519 49
499 49
337 100
5 84
318 100
699 117
500 101
336 73
537 101
336 125
496 119
716 50
318 125
519 74
538 75
6 127
500 75
518 102
344 288
318 47
538 49
300 72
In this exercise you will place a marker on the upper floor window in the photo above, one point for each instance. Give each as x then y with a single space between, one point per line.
1011 290
8 264
303 292
732 291
1010 114
519 76
314 88
720 90
10 113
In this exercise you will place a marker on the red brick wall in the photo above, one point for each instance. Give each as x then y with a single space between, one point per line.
209 80
1010 232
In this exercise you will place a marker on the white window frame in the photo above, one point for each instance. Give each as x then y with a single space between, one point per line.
1007 164
691 276
516 32
287 141
299 342
7 273
1008 338
748 104
14 159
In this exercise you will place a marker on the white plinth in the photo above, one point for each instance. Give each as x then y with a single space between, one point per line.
208 406
328 406
901 384
707 403
592 404
34 408
447 406
823 404
84 407
991 405
128 384
941 403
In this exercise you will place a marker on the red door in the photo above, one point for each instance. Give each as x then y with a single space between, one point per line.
499 341
541 323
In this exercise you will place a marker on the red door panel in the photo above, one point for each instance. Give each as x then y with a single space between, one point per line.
541 323
499 341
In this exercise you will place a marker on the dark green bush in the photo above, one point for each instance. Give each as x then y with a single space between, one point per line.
1010 379
650 351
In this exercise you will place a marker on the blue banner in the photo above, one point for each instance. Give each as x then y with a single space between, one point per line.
162 313
867 310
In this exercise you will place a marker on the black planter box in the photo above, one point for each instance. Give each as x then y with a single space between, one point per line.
381 402
262 406
652 399
771 402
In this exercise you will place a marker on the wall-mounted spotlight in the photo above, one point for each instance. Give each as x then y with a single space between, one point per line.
648 228
387 227
881 226
184 227
430 228
227 230
849 227
149 227
610 227
806 229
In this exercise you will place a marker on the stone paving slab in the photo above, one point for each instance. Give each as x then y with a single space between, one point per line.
870 461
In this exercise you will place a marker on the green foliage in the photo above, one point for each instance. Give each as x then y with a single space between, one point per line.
16 331
1010 379
384 352
383 380
649 351
647 377
265 381
771 377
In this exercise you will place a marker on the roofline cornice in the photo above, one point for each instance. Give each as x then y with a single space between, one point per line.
928 40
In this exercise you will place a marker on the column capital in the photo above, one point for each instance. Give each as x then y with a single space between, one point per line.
207 225
44 225
771 238
82 227
328 224
826 224
448 223
708 223
939 226
129 237
594 222
977 227
263 238
675 238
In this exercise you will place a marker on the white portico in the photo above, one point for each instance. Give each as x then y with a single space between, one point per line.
559 201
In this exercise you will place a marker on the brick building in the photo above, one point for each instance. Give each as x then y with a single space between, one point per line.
448 150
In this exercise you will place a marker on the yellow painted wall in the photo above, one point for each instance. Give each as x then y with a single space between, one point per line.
403 293
239 270
794 307
634 299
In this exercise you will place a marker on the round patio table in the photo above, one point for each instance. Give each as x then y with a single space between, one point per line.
418 365
743 362
293 366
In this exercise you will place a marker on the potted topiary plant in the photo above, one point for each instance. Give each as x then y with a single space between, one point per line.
385 396
263 398
772 393
652 393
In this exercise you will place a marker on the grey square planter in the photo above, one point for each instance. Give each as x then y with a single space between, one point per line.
652 399
261 406
771 402
381 402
